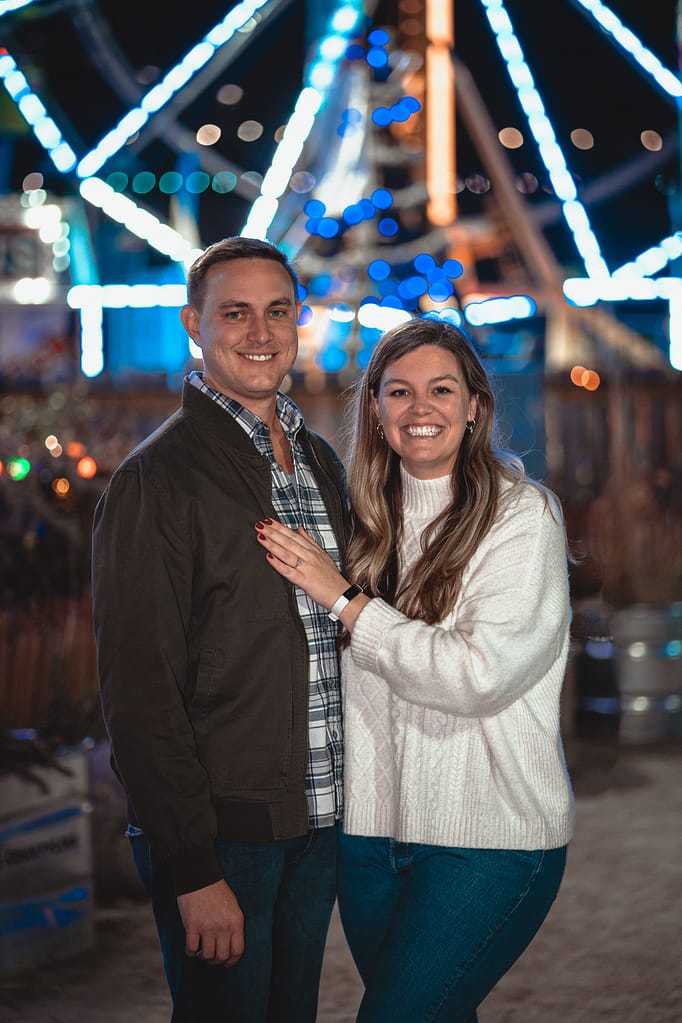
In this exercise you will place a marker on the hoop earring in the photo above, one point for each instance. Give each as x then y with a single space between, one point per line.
470 425
380 431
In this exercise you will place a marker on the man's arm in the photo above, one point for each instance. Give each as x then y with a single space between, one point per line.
214 924
142 586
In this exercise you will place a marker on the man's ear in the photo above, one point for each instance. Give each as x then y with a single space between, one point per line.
189 317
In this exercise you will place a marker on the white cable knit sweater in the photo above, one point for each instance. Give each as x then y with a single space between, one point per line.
452 730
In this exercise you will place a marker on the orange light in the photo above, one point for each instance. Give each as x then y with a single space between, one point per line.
591 380
439 22
75 449
61 486
440 113
577 375
440 136
86 467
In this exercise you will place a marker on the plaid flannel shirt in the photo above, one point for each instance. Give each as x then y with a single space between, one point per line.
297 502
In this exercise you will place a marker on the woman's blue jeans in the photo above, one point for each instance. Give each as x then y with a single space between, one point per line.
432 929
286 890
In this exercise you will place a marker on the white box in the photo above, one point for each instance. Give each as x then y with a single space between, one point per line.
24 793
45 850
53 925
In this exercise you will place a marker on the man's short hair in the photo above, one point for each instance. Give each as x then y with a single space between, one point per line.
224 252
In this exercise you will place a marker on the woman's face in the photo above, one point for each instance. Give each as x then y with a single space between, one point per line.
423 406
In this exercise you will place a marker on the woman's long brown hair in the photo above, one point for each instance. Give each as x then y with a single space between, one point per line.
451 539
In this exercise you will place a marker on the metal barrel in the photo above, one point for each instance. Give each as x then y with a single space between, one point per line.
648 649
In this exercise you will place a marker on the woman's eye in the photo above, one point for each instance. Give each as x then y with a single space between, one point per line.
398 392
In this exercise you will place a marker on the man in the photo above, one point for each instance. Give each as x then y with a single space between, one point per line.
219 680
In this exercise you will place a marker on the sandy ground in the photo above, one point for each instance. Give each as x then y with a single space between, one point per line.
610 949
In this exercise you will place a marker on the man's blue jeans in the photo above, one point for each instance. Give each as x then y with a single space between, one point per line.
286 890
432 929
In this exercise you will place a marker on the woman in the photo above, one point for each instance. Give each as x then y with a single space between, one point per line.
458 804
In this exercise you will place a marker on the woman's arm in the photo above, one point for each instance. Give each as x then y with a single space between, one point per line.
300 560
508 632
510 628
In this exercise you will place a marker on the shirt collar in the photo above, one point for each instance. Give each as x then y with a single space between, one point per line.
288 412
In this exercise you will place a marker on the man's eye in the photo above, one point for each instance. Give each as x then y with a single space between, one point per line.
442 389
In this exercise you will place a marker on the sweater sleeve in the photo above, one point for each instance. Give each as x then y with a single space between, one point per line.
509 628
142 582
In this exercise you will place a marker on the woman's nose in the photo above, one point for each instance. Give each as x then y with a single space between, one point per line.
421 405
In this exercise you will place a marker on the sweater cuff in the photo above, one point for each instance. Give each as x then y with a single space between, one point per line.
370 628
195 867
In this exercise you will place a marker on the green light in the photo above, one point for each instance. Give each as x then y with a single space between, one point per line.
118 181
170 182
18 468
144 182
224 182
197 182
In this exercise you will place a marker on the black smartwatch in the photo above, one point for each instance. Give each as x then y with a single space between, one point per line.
345 598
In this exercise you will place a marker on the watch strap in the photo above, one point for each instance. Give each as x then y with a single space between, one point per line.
345 598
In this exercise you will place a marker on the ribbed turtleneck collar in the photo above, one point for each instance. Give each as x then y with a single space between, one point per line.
424 498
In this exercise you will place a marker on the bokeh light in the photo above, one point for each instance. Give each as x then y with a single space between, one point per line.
86 467
230 94
249 131
510 138
61 486
208 134
652 141
582 138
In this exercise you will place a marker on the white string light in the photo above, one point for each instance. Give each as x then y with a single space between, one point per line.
648 61
320 78
36 116
164 91
550 152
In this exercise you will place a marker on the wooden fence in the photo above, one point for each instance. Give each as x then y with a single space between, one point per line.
47 658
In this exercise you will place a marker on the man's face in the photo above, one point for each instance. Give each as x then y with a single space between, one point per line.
246 329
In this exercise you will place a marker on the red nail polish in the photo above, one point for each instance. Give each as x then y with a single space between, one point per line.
259 525
268 522
262 536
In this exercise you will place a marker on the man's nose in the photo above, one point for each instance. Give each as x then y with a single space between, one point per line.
260 328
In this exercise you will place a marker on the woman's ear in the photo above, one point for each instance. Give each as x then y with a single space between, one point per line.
375 407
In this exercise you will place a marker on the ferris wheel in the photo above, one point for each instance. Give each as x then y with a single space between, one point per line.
362 185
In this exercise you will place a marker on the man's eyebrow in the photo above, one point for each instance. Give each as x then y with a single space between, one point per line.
241 304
